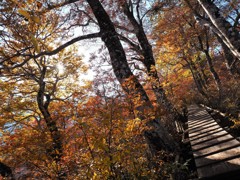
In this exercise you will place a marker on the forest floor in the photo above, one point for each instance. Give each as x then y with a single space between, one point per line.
187 157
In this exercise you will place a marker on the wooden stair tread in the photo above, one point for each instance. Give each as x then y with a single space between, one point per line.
216 148
205 138
212 142
215 151
206 124
207 130
219 169
227 154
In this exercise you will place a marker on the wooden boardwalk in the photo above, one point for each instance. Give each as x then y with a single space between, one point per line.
216 153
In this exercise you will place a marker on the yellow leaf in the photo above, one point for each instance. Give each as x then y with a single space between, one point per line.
35 43
49 48
94 176
24 13
36 19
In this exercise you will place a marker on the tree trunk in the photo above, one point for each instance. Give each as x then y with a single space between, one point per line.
150 65
159 138
204 76
232 64
56 150
214 74
210 64
222 27
5 171
227 35
197 78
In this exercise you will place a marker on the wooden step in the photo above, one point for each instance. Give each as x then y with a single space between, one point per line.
216 152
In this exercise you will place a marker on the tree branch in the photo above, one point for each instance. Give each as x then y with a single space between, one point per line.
55 51
54 6
74 40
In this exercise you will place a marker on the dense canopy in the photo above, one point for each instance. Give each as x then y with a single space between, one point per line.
92 89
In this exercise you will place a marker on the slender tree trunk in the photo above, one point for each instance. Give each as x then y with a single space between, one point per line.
197 78
210 64
222 27
43 101
214 74
227 35
150 65
157 137
204 76
200 74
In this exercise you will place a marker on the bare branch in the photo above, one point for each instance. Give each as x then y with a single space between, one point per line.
138 13
135 46
236 22
54 6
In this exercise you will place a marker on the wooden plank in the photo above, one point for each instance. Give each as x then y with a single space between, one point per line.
219 147
227 154
179 127
211 142
200 129
219 169
206 133
215 151
209 137
202 124
207 130
196 120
